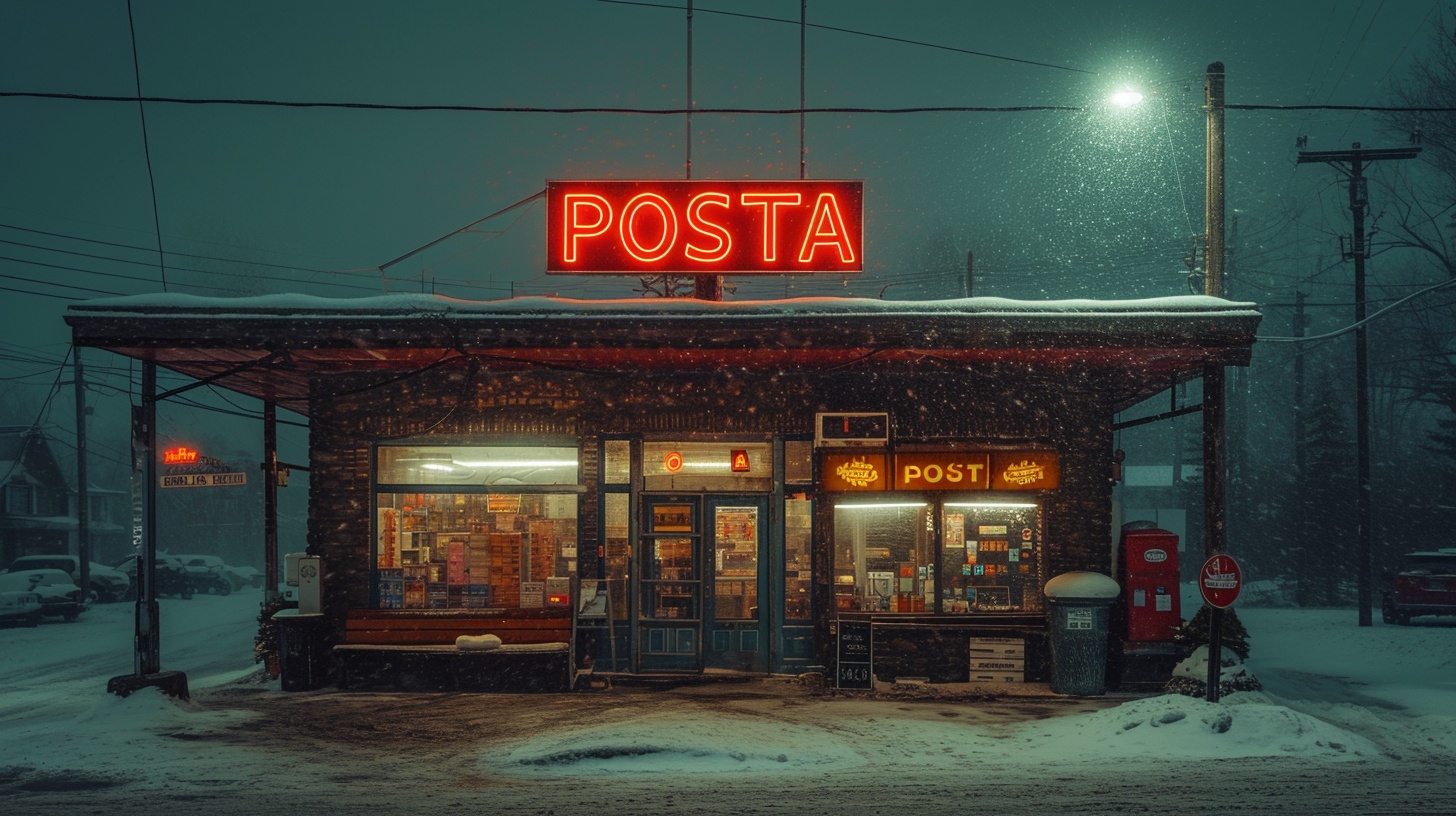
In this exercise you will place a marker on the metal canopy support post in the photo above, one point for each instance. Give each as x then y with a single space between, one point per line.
270 502
144 446
148 662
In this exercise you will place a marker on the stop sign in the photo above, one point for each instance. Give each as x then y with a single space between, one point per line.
1219 580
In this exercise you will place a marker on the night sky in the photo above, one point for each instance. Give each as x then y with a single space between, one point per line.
1099 202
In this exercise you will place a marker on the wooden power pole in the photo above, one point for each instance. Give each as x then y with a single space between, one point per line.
1352 163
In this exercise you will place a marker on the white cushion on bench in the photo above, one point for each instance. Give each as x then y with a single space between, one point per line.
477 643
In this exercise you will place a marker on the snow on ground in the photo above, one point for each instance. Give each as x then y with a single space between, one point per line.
1337 696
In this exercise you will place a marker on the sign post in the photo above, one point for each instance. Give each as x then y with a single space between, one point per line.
1219 581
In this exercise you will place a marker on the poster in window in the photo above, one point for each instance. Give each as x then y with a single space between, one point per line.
672 518
495 503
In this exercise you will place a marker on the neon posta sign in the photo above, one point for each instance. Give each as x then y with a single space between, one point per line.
710 227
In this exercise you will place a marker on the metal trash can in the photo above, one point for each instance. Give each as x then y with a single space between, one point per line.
301 664
1079 603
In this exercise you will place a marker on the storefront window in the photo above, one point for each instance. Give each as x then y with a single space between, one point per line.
724 467
670 561
884 556
484 466
489 542
617 461
989 556
735 567
798 554
617 549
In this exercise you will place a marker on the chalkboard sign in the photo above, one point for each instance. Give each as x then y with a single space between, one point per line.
856 652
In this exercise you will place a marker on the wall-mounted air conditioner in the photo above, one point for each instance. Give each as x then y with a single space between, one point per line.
852 430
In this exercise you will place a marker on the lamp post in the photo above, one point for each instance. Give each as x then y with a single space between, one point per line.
1214 449
1213 260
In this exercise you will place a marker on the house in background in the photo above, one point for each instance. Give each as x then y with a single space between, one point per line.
35 516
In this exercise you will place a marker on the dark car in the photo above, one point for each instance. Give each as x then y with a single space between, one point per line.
1424 584
172 577
107 584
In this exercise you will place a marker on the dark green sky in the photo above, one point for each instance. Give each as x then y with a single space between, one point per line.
1090 204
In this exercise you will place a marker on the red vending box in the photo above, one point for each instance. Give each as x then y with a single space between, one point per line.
1149 572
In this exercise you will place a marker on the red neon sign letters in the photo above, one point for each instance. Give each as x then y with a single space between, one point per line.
709 227
179 456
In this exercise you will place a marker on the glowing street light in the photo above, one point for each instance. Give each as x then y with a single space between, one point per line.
1126 98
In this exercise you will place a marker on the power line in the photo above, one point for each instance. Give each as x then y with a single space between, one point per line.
146 146
1359 323
61 285
700 10
275 103
185 254
242 275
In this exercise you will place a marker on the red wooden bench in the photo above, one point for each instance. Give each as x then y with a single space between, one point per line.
414 650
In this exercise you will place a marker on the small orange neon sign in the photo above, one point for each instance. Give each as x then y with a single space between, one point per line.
740 461
673 462
719 227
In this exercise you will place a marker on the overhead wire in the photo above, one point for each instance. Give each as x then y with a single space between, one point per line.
801 23
146 145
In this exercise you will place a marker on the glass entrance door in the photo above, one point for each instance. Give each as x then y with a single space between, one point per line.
737 608
670 584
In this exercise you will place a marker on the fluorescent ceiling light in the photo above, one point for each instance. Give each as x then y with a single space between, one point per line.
522 463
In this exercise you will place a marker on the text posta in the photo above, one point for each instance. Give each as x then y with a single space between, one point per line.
741 227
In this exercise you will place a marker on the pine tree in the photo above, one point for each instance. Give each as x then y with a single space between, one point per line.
1328 540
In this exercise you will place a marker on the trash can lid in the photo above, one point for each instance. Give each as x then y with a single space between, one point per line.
1085 585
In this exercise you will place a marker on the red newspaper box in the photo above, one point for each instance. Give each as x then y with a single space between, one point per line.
1149 573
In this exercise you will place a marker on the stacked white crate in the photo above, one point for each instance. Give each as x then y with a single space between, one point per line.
998 660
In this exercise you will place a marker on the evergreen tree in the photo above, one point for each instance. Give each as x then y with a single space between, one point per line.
1329 483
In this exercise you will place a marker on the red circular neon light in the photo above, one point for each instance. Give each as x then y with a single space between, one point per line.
673 462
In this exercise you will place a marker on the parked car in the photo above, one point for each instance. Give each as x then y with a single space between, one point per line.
59 596
19 608
1424 584
172 577
252 575
107 584
235 579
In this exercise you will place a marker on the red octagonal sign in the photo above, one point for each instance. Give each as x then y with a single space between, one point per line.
1219 580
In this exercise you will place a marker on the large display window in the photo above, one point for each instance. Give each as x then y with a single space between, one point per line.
950 555
500 538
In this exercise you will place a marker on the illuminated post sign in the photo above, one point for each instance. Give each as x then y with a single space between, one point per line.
704 227
179 456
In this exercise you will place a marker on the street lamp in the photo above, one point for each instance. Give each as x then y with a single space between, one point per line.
1126 98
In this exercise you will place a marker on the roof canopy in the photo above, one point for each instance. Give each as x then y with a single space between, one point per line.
269 347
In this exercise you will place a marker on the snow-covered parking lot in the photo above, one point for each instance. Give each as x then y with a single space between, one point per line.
1352 721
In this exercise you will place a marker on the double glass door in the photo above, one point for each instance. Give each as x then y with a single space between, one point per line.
702 583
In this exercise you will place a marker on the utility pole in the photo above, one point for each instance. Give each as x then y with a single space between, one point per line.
1301 512
1214 453
83 490
1215 469
1356 158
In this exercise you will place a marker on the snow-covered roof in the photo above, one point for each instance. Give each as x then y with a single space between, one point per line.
285 339
407 306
